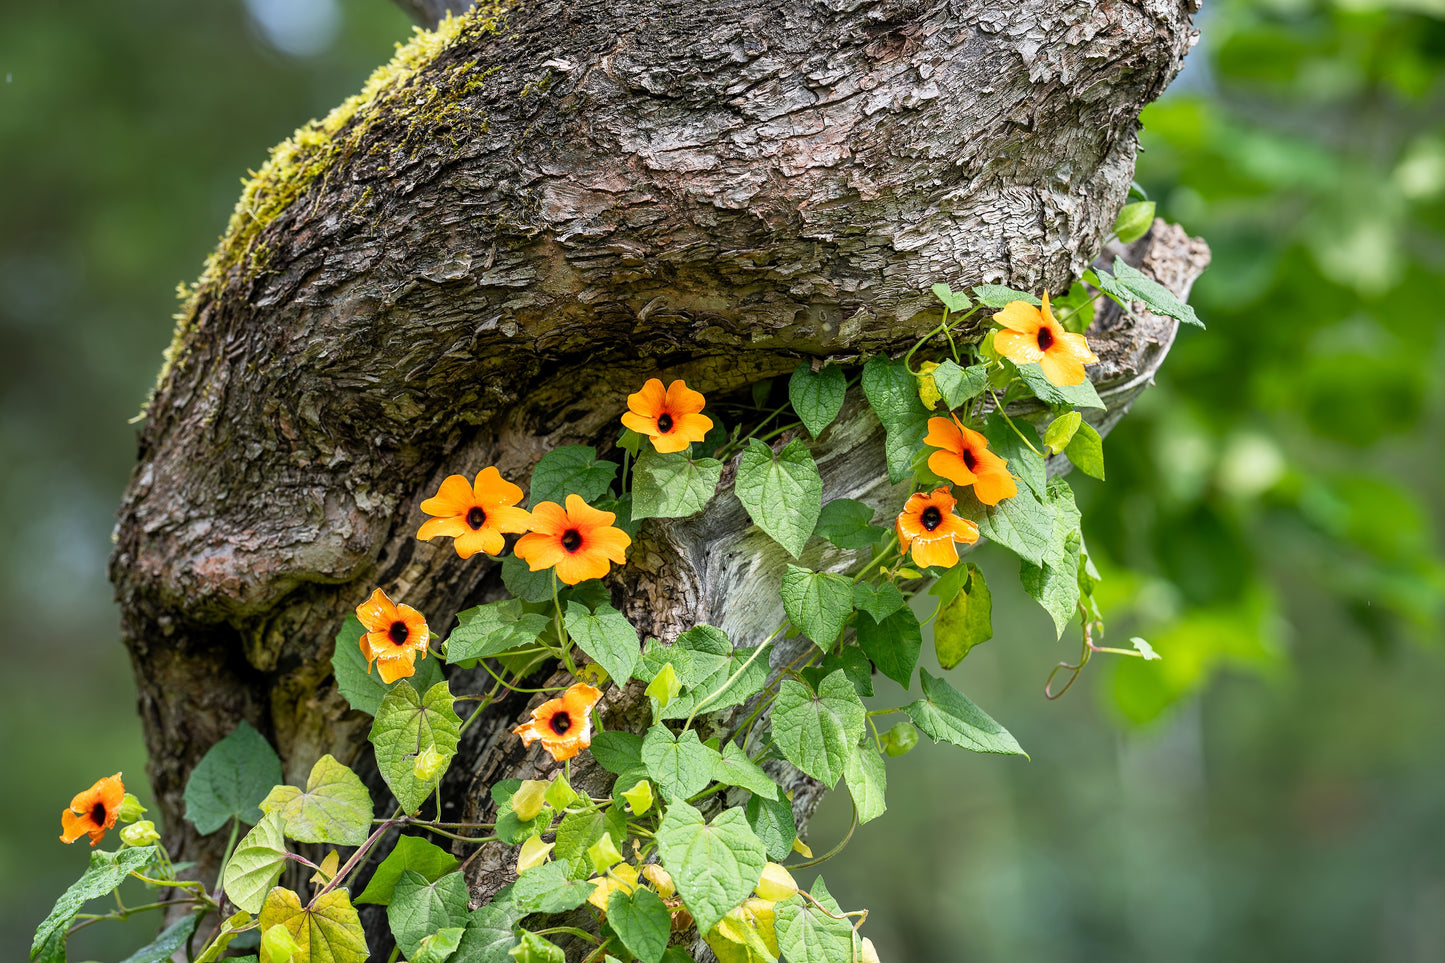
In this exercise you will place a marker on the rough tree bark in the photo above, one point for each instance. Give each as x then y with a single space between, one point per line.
518 222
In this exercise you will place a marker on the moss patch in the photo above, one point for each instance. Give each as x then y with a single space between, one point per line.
317 147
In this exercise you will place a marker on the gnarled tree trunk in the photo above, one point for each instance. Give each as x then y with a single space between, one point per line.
518 222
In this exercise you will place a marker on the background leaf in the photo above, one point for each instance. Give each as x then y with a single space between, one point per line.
231 780
783 494
817 396
570 470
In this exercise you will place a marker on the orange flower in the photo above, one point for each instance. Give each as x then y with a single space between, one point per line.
563 724
93 811
579 540
475 515
394 636
670 418
928 524
1033 335
964 459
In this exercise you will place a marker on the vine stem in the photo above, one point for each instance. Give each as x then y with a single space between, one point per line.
998 406
356 858
757 650
892 543
832 852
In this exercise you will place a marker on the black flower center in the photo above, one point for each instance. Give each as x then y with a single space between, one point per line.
1046 339
476 518
560 723
97 814
664 423
931 517
571 540
398 633
969 461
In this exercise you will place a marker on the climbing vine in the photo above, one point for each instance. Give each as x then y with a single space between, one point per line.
697 830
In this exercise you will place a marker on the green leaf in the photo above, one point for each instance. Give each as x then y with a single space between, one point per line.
439 946
617 751
1086 451
535 949
964 621
231 780
420 906
1055 584
1134 221
175 937
672 485
642 921
362 689
952 300
893 393
578 831
714 866
570 470
491 930
327 929
959 385
1021 524
487 630
946 715
1130 284
1022 460
546 889
406 724
852 661
607 637
256 864
892 645
847 524
680 765
105 872
818 603
1145 650
998 296
411 853
734 768
772 820
815 732
335 808
866 780
879 601
1081 395
525 584
748 683
783 494
1061 431
807 934
817 396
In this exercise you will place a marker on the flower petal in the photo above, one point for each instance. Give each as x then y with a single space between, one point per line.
992 487
935 551
1079 347
584 516
548 518
950 465
682 400
540 550
650 401
1019 316
492 489
451 526
455 497
486 539
944 433
580 566
608 541
399 667
377 613
641 424
1061 368
1018 348
669 443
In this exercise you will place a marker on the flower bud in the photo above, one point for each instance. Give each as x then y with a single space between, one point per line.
529 798
603 853
1134 221
130 809
141 833
639 797
901 739
534 852
776 883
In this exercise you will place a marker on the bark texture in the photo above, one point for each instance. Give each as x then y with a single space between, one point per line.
522 219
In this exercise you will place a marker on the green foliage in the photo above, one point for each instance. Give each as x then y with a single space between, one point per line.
420 907
1128 283
406 725
410 854
815 933
818 603
946 715
715 865
817 396
999 296
488 630
959 385
680 765
231 780
548 889
570 470
866 780
965 620
172 939
1086 451
105 872
783 493
335 808
606 636
642 921
1055 583
327 929
815 732
1081 395
892 392
256 864
847 524
672 485
892 645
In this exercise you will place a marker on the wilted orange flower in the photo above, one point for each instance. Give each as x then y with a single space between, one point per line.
475 515
580 540
563 724
1032 335
93 811
670 418
927 523
964 459
394 636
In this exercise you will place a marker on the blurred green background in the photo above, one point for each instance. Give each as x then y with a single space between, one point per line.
1270 790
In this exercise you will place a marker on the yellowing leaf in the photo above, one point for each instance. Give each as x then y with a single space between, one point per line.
327 932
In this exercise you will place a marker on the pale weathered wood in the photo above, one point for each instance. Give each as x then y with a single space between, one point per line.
482 256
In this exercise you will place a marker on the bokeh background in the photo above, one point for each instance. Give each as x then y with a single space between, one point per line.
1273 789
